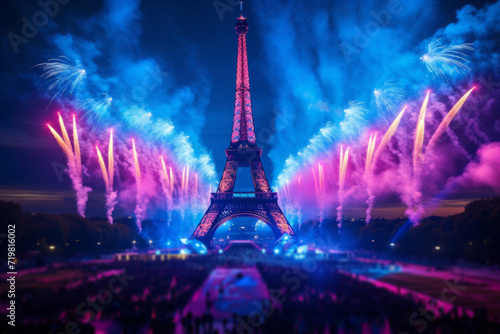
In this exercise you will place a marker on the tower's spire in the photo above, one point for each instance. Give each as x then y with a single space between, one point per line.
243 129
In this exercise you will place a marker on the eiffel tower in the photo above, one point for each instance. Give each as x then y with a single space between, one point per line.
243 151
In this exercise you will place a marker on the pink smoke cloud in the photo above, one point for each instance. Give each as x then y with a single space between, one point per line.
482 173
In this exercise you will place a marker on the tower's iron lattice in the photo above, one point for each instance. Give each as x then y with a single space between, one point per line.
226 204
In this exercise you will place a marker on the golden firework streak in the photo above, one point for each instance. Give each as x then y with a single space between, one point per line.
419 135
387 137
111 161
447 120
136 164
103 169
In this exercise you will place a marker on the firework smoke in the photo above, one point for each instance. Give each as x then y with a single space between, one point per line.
369 154
111 160
171 181
186 186
196 185
415 208
368 176
386 139
167 182
344 157
103 168
372 158
108 175
74 163
447 120
140 200
76 142
419 136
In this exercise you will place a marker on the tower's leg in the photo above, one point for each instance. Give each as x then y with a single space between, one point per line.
204 230
259 177
228 177
278 219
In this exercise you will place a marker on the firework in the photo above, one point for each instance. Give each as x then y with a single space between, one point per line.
65 134
183 183
74 163
344 157
447 120
368 175
415 195
111 161
341 162
288 191
76 143
187 180
171 181
140 200
344 166
62 74
164 170
61 142
354 120
419 134
137 168
441 60
369 153
138 119
168 179
388 96
167 183
162 129
96 108
321 199
372 158
321 179
108 175
196 185
387 138
103 168
316 187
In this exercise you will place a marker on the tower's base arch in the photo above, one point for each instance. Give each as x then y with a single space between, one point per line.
227 206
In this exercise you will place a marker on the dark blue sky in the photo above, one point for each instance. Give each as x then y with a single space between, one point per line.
188 39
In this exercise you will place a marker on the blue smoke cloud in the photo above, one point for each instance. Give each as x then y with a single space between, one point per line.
326 54
140 94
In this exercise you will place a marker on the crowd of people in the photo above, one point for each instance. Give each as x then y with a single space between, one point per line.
140 296
326 300
305 297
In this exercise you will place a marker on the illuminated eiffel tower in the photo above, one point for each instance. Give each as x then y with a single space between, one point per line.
226 204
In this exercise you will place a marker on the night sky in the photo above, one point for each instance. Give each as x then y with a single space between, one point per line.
298 71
